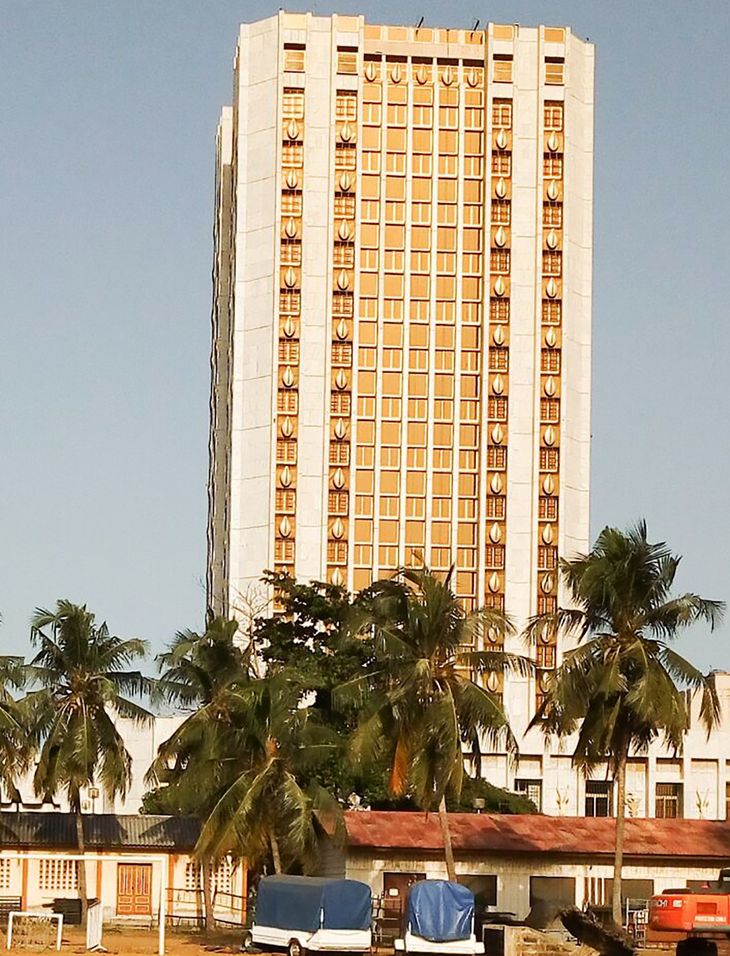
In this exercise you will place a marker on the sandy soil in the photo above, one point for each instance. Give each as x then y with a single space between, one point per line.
140 942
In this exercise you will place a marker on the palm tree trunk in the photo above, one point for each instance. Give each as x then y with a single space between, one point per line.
275 853
208 895
83 895
446 834
618 859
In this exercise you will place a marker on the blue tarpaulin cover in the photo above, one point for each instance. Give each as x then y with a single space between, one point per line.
310 903
440 911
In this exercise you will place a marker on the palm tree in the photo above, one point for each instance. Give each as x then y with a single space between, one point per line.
621 687
425 700
85 679
14 743
199 671
270 739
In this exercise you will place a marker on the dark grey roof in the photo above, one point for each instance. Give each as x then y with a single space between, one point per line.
101 831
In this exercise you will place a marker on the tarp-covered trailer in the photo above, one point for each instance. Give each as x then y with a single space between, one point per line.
300 913
439 919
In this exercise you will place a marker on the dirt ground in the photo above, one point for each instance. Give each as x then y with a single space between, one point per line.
127 941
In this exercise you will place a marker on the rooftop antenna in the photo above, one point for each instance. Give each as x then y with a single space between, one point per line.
419 24
476 25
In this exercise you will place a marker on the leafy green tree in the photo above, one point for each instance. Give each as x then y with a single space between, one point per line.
423 701
621 687
272 741
14 742
309 642
198 671
84 681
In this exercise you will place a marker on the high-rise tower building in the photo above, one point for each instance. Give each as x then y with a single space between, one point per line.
402 312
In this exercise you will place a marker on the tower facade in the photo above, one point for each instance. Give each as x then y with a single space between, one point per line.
402 314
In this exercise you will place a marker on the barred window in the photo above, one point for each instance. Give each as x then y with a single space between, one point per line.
502 113
344 255
346 105
496 457
343 304
345 206
546 605
58 874
552 166
337 552
552 214
497 409
495 601
545 656
548 509
5 879
551 312
290 303
293 104
494 556
345 156
499 310
289 352
285 502
291 252
552 263
550 410
547 558
550 360
340 403
286 452
342 353
549 459
498 360
339 453
501 212
291 203
496 507
284 551
287 402
553 116
499 260
502 164
292 154
337 502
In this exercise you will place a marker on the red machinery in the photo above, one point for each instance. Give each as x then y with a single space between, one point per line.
701 917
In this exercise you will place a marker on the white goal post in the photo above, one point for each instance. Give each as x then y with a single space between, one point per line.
14 915
159 863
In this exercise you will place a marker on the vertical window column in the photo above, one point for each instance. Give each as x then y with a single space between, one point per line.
341 357
550 385
289 312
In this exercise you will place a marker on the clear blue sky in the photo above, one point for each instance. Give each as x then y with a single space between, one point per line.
108 116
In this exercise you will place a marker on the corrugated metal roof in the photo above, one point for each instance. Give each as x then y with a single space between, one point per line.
534 833
101 830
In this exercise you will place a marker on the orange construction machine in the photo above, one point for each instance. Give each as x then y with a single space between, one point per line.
700 917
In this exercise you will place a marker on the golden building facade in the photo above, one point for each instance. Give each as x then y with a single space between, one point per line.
402 311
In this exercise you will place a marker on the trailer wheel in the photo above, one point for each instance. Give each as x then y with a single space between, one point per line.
295 948
247 942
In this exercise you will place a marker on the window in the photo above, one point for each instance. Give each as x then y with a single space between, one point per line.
502 69
599 802
502 114
484 888
346 59
294 57
532 789
553 116
554 71
669 804
5 874
558 890
58 875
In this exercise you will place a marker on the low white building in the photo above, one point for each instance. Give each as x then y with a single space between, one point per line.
513 862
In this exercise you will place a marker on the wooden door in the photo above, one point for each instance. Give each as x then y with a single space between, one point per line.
134 889
395 893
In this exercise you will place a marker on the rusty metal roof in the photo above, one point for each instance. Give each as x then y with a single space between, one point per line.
101 830
535 833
